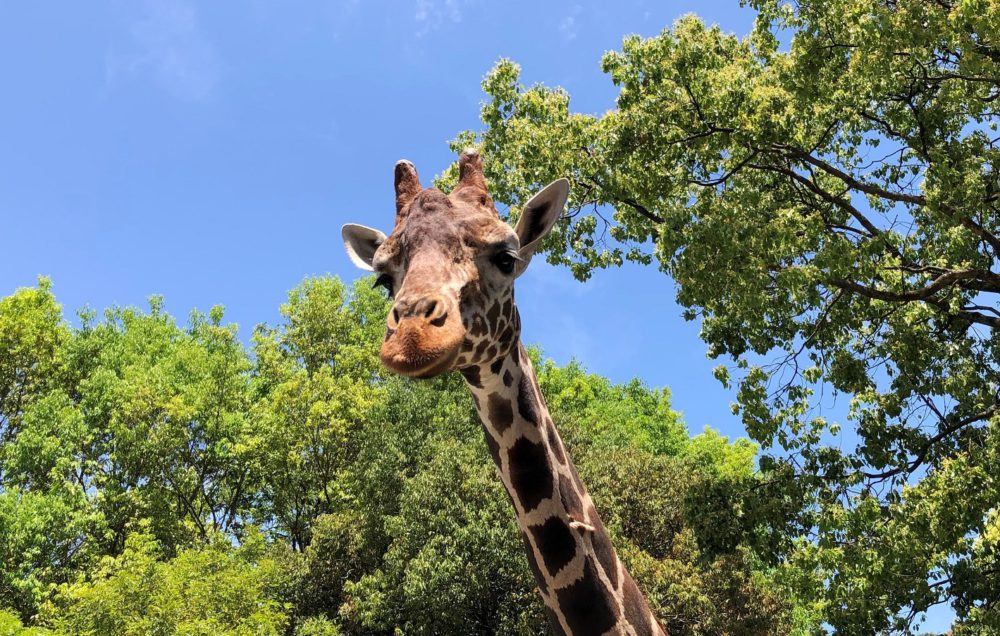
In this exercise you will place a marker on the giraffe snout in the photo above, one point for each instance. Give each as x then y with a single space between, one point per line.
423 336
432 309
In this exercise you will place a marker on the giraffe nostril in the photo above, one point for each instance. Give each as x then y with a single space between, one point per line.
430 308
395 315
439 321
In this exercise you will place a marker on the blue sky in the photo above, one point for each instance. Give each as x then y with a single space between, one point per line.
210 153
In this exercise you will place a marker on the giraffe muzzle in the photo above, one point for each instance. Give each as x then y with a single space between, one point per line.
423 337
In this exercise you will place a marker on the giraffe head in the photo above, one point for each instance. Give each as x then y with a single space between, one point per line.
449 264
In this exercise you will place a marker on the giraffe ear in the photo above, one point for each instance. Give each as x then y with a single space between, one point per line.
361 243
538 216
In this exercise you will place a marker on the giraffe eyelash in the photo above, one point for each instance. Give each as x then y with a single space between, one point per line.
505 261
384 280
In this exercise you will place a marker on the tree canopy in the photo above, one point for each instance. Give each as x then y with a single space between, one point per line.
825 193
165 478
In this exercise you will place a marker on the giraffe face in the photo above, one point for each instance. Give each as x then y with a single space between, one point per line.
449 265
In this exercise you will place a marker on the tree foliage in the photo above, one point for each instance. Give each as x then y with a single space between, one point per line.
211 589
160 478
825 193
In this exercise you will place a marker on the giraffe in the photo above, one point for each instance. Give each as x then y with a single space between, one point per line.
449 265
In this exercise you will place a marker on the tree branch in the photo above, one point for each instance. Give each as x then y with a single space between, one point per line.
924 294
853 182
921 455
629 201
840 202
942 281
899 197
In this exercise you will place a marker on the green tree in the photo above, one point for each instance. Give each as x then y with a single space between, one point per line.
455 563
670 528
46 522
166 479
167 410
46 537
11 625
130 419
317 385
611 415
829 209
215 589
32 333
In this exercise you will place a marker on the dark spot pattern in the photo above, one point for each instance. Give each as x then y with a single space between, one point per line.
493 314
527 403
555 542
472 376
586 604
577 482
500 414
604 550
542 585
554 625
481 349
636 609
570 499
555 444
478 326
493 447
506 337
496 366
530 473
507 378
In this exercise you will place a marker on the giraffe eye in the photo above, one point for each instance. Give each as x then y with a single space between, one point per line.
505 262
384 280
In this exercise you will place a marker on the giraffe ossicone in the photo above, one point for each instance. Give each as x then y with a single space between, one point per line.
449 264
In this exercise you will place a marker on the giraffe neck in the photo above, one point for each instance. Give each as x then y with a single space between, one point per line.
585 587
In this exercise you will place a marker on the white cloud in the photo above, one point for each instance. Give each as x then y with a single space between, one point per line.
431 15
569 27
167 44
